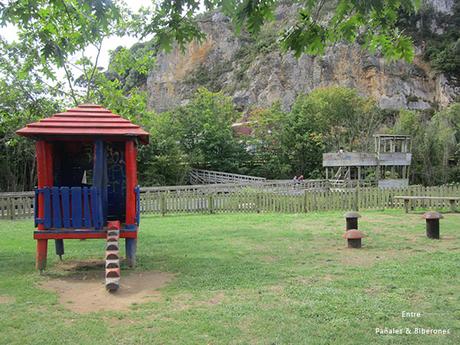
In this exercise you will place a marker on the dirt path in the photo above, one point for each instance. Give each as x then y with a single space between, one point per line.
6 299
83 290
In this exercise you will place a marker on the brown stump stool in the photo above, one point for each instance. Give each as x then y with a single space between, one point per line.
352 220
432 224
353 238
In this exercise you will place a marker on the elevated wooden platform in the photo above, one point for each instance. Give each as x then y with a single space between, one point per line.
363 159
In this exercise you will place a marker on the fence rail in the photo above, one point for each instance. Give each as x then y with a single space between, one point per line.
194 200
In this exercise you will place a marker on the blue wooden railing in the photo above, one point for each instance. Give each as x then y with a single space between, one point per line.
70 207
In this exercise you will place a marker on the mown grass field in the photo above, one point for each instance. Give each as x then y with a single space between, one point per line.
251 279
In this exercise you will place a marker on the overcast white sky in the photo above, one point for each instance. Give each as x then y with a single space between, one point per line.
110 43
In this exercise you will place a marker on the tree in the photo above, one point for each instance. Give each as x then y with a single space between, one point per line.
435 144
319 23
197 135
424 152
266 142
163 161
447 126
51 33
203 129
343 118
325 120
17 155
439 36
292 143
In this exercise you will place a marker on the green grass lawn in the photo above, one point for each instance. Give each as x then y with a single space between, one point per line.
251 279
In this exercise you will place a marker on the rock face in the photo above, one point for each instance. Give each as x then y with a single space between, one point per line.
257 74
443 6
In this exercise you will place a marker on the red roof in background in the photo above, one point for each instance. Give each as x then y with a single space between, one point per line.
242 128
85 120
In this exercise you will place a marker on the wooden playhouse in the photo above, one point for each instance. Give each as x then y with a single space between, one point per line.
87 182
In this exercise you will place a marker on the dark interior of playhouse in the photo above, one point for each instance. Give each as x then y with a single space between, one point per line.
73 167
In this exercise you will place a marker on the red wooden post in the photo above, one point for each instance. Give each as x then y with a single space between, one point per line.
45 179
42 253
131 182
41 174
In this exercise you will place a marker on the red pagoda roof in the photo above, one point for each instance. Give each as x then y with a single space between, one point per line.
85 120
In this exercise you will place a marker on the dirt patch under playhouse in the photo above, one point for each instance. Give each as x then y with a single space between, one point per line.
6 299
80 287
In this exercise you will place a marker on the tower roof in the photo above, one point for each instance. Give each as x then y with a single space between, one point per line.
86 120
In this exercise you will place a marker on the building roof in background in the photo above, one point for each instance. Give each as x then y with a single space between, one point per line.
242 128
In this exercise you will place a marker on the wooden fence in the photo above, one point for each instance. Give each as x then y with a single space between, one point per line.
153 201
251 200
16 205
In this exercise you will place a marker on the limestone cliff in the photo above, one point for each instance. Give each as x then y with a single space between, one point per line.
256 74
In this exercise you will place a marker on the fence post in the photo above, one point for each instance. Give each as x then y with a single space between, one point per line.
409 203
210 204
305 201
315 201
356 199
163 204
11 208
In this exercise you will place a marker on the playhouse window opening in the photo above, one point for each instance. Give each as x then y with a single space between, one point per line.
116 180
73 164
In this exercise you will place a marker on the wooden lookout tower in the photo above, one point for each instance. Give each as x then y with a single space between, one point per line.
386 167
87 182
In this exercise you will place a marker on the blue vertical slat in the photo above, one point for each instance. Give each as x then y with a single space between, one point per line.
86 213
47 200
93 197
138 204
57 219
76 207
104 191
98 182
36 221
95 208
98 163
99 208
65 206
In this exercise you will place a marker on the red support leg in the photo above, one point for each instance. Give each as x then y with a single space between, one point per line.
45 179
42 251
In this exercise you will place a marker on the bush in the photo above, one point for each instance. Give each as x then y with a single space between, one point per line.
292 143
